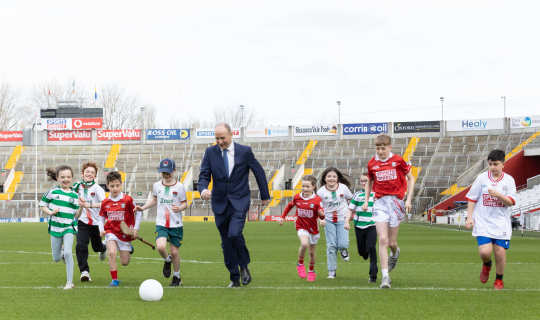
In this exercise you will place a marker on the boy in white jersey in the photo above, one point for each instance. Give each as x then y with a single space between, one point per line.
489 198
170 197
90 197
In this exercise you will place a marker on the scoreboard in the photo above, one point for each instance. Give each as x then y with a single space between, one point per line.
72 113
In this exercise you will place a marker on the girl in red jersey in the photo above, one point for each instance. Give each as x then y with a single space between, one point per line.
308 210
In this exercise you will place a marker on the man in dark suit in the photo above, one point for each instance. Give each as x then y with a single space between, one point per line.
228 164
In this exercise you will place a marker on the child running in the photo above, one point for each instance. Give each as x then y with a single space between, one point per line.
116 208
334 194
308 210
489 198
170 197
365 230
388 174
62 205
90 197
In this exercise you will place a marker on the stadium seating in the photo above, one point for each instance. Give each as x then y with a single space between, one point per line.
437 163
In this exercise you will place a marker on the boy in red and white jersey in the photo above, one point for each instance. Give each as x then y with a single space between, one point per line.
308 210
490 196
388 174
116 208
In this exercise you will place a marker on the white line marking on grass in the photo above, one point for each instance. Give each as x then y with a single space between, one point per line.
282 288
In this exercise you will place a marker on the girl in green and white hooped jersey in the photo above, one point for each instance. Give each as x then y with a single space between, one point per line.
62 205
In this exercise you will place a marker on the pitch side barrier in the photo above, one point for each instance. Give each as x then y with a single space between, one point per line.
61 135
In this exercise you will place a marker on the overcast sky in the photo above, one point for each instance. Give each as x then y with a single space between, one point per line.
289 60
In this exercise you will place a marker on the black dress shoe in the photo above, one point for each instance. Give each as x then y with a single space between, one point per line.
246 277
234 284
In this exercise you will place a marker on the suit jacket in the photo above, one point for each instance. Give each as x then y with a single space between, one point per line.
235 188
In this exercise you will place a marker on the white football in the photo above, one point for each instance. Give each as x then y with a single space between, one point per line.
151 290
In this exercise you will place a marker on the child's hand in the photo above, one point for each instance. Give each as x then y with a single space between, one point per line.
365 207
323 223
138 208
321 213
102 233
280 220
175 208
494 193
135 233
408 206
82 202
347 226
469 223
55 211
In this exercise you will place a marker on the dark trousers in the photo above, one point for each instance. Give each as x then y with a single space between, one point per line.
85 235
235 253
366 240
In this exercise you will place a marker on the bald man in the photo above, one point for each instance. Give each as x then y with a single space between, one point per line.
228 164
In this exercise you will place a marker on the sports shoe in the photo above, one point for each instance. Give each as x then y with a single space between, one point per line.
176 281
484 274
331 274
115 283
372 280
311 276
498 285
345 255
301 270
386 283
85 276
132 249
392 260
63 258
167 268
69 285
103 255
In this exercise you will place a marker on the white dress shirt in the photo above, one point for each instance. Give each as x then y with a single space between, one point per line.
230 157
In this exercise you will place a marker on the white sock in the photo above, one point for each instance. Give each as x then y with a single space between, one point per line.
176 274
385 273
168 259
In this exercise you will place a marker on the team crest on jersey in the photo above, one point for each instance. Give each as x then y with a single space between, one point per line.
393 164
93 194
71 200
341 196
505 188
123 205
175 194
311 205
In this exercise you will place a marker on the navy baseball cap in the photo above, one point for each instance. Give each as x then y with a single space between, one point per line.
167 165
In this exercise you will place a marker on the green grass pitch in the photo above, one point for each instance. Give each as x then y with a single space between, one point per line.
436 278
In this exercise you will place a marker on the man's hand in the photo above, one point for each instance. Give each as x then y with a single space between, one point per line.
469 223
494 193
102 233
323 223
280 220
206 194
347 226
175 208
135 233
265 202
138 208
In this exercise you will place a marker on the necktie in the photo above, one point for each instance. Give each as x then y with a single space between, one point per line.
226 162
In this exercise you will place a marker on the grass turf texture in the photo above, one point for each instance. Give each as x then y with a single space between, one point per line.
436 277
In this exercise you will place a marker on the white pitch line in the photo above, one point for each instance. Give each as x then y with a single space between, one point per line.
282 288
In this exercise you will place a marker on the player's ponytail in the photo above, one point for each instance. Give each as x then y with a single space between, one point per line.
342 178
52 174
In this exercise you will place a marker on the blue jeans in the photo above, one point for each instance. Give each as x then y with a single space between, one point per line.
337 239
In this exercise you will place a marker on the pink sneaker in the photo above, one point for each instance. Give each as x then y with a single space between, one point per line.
311 276
301 271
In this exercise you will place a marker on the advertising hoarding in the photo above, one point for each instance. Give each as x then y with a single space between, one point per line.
70 135
475 124
205 133
417 127
167 134
11 136
267 132
324 130
124 134
525 122
365 128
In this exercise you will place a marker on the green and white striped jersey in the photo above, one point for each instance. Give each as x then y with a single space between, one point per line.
362 219
68 203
